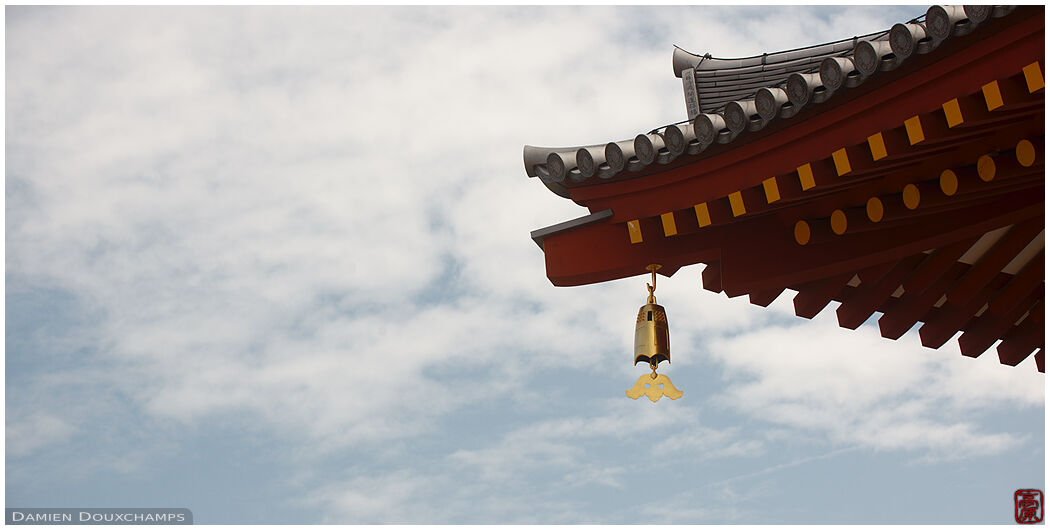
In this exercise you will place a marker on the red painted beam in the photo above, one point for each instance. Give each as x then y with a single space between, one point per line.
765 298
876 272
869 296
814 296
952 317
1029 279
983 331
603 252
993 261
746 265
712 277
914 307
1025 338
936 265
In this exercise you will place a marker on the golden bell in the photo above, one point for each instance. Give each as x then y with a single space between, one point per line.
652 339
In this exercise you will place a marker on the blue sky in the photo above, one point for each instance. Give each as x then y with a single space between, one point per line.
273 265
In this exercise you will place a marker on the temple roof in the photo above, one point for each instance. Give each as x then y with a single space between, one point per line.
900 173
744 97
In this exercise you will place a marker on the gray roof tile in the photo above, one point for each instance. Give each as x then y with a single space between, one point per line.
741 96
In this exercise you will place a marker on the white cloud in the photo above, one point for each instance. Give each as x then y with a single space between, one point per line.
856 388
779 467
27 434
557 443
706 443
375 497
496 481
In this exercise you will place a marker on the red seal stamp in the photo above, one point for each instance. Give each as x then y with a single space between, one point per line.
1028 506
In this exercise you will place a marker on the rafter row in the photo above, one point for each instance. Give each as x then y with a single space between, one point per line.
996 102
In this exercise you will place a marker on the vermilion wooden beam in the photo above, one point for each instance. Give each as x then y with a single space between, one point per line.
765 298
858 157
1013 90
823 173
952 317
875 272
915 307
921 162
712 277
1029 278
860 190
790 188
934 127
978 116
983 331
891 305
1019 343
858 308
895 143
1031 180
746 265
973 109
995 259
936 265
814 296
719 210
754 200
603 252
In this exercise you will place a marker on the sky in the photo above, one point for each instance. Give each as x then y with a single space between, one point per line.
273 265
